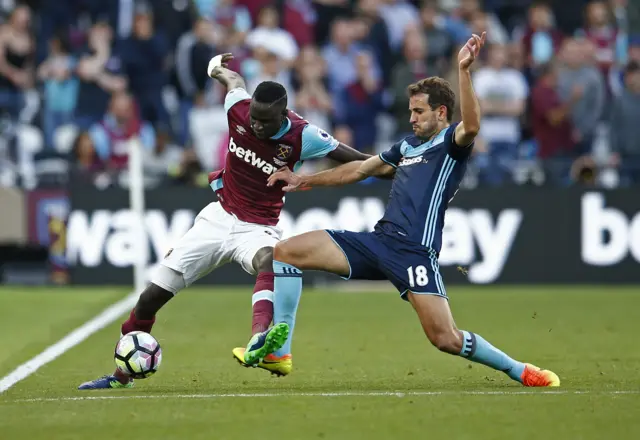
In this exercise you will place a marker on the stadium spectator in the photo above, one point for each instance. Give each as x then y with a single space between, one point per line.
461 23
502 92
551 124
340 56
174 18
100 73
273 68
299 18
371 31
60 87
599 29
272 38
161 160
398 15
412 67
541 40
112 134
625 127
190 78
16 60
144 56
312 97
84 154
439 41
362 103
578 72
233 22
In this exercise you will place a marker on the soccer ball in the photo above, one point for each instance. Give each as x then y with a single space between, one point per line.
138 355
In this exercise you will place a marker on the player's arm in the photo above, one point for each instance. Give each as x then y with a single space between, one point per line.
218 70
344 154
350 172
467 130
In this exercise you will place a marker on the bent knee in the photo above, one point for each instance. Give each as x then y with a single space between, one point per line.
286 253
447 341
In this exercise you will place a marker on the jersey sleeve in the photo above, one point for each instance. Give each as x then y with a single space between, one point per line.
457 152
234 96
393 155
316 143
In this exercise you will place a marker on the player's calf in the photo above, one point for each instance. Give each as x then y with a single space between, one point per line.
447 340
262 299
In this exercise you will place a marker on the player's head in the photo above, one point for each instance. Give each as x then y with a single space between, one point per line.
268 109
431 102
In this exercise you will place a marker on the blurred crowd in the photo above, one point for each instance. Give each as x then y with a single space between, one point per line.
559 83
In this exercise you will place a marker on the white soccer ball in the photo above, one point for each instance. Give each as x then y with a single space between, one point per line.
138 355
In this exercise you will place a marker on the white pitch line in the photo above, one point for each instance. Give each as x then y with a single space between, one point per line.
109 315
399 394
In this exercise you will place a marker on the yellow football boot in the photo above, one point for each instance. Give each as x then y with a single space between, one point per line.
278 366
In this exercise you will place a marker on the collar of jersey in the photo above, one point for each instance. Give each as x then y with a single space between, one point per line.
286 125
408 151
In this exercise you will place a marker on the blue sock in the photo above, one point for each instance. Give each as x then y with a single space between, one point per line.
477 349
287 288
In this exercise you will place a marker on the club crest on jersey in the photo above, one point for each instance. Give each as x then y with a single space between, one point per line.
240 129
284 152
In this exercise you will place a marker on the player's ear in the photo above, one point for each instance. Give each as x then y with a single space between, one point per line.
442 113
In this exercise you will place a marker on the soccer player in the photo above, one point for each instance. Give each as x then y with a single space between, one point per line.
242 225
405 244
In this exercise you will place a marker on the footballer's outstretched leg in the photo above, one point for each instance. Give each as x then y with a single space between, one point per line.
437 322
141 318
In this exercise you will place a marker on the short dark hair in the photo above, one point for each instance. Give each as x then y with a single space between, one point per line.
270 92
439 92
632 67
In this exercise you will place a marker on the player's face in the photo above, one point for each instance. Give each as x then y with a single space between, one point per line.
265 121
424 119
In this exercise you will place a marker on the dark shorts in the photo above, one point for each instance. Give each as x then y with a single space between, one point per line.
381 256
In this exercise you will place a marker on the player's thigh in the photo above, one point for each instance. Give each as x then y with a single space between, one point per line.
314 250
352 255
203 247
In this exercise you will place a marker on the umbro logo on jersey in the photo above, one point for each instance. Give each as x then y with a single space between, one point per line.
241 130
412 160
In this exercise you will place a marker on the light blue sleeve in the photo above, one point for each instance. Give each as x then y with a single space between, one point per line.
316 143
100 141
148 136
233 97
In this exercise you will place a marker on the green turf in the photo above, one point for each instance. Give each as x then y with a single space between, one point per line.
358 343
33 318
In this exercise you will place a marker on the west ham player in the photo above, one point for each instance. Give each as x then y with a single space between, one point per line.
405 244
242 225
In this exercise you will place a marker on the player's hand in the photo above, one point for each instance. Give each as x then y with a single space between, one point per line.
217 63
470 50
292 180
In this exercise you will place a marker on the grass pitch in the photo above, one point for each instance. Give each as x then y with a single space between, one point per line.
362 369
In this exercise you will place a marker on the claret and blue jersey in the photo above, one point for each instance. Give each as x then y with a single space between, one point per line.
405 244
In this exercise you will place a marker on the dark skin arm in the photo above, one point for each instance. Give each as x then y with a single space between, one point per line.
344 153
228 78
